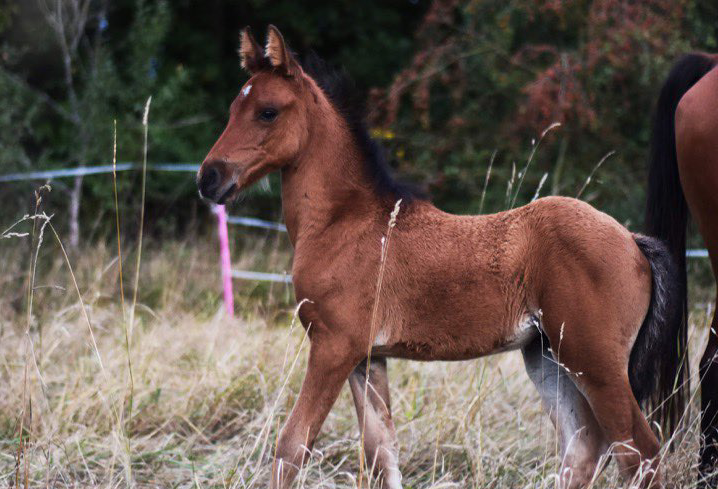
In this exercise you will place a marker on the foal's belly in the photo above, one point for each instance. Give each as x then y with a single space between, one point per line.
457 343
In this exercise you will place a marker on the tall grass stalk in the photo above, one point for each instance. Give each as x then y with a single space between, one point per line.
558 394
535 147
83 307
595 168
119 263
540 185
123 427
117 226
26 400
486 181
145 126
372 333
510 185
273 410
128 335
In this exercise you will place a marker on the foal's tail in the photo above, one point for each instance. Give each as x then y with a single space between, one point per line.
657 369
660 349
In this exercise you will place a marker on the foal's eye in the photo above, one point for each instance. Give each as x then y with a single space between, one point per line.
268 115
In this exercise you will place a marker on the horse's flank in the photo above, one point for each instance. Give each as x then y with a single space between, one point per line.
683 176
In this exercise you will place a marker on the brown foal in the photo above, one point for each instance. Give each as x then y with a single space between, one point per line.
555 275
684 177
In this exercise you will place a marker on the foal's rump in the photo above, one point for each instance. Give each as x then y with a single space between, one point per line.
610 299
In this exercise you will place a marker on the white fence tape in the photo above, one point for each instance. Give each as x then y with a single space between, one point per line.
256 223
94 170
67 172
165 167
699 253
268 277
108 168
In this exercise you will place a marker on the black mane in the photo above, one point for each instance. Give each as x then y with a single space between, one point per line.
341 91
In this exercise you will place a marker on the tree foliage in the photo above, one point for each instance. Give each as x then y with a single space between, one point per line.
448 82
493 74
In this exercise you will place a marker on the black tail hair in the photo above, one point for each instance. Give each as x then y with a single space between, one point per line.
656 368
666 219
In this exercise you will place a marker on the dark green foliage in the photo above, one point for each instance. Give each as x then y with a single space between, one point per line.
455 80
493 75
182 53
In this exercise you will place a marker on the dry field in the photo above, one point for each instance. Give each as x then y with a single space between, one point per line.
178 395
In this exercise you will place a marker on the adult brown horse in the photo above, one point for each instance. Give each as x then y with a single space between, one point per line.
553 276
683 176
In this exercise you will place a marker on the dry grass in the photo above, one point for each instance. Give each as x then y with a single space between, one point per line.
209 393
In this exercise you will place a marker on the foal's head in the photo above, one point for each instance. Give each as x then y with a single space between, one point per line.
276 113
268 120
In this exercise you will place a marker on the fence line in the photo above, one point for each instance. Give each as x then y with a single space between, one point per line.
222 219
189 168
69 172
94 170
256 223
262 276
125 166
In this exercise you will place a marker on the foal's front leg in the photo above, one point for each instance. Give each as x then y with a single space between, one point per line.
330 363
374 415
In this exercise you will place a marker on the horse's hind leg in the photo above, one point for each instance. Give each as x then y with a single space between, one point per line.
582 442
709 405
374 415
697 152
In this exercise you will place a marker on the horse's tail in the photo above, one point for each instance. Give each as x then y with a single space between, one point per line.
666 218
666 209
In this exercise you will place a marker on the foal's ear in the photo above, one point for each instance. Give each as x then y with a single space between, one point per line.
250 52
279 55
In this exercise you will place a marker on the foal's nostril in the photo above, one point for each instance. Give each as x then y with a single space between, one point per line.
209 182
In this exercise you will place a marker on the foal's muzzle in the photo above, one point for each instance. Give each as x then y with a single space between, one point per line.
210 182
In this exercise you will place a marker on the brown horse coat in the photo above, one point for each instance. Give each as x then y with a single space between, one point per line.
697 151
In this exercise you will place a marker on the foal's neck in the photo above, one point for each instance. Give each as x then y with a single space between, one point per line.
328 184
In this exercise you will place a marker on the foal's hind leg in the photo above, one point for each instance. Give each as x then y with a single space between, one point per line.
374 415
635 447
581 439
600 371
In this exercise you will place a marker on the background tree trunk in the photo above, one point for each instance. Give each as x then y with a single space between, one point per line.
68 20
74 216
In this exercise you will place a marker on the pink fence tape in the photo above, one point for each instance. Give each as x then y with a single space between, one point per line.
225 261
